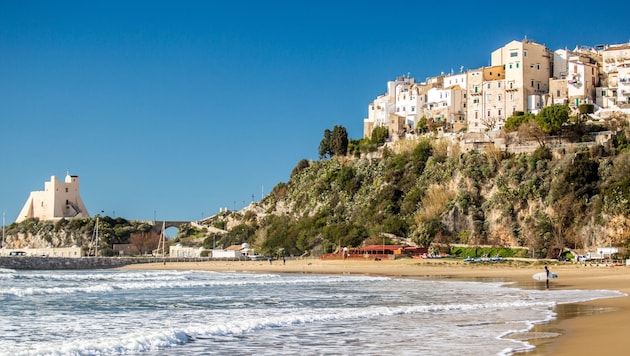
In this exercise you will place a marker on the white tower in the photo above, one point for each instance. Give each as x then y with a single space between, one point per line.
57 200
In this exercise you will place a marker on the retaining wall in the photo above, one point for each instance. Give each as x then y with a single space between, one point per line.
57 263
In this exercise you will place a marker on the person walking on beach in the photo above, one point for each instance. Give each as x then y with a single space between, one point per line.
547 280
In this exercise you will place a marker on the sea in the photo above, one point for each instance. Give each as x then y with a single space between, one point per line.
130 312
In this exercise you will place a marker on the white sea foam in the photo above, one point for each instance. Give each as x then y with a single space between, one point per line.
123 312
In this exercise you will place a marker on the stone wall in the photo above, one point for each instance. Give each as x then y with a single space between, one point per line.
59 263
56 263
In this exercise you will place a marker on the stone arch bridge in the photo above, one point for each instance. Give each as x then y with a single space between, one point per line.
157 225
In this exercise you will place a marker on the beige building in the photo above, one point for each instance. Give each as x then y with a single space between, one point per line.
58 200
524 76
67 252
487 97
527 72
446 106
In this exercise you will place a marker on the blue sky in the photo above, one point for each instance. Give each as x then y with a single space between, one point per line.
174 109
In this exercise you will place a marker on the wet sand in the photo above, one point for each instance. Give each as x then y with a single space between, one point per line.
581 328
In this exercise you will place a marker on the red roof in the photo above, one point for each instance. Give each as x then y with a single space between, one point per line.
379 247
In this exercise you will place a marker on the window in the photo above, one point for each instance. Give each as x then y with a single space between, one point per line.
488 85
499 112
498 84
488 97
511 85
499 98
488 113
66 189
524 53
532 83
514 54
510 65
517 64
538 66
476 88
413 109
558 92
511 97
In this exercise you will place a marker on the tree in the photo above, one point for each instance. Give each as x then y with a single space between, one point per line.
421 125
145 242
379 135
515 121
325 145
339 141
302 165
584 111
531 129
335 142
490 122
551 118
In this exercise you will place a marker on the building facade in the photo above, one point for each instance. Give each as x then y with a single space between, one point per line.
523 76
58 200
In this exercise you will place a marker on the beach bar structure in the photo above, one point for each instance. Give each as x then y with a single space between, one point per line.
375 252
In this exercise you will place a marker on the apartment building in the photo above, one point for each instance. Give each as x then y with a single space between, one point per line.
524 76
487 95
399 109
615 89
527 71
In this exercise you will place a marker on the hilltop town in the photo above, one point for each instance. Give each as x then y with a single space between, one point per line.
524 77
544 199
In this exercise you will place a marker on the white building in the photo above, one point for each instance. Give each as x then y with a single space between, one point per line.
67 252
184 251
447 105
58 200
399 109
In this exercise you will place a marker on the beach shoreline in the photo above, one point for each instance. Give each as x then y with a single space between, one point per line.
576 328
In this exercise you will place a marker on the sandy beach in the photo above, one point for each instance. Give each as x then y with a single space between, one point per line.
580 328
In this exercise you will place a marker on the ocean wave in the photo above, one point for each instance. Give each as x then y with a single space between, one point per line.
152 339
144 281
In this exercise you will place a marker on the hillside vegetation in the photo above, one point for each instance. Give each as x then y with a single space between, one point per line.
428 193
421 191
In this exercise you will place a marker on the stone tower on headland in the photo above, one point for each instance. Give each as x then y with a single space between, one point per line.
58 200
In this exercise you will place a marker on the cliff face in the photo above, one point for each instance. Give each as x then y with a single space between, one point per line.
423 191
79 232
432 193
